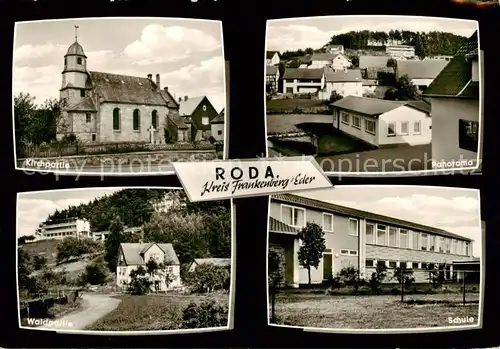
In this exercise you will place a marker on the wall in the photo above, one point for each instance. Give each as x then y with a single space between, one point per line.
445 114
303 87
218 132
340 62
345 88
358 133
126 132
319 64
398 116
82 129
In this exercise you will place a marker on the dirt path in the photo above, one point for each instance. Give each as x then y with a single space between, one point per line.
94 307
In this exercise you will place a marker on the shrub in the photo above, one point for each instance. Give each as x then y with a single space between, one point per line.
95 274
206 314
207 278
211 139
363 290
39 262
396 291
139 282
377 277
335 282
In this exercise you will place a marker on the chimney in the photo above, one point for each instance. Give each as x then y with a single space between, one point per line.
180 99
158 81
185 98
166 88
150 76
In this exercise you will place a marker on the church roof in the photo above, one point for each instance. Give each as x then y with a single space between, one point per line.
187 107
76 49
171 102
126 89
87 104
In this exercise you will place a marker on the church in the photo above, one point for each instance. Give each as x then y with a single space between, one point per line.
100 107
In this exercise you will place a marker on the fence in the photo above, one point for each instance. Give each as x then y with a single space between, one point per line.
58 149
39 308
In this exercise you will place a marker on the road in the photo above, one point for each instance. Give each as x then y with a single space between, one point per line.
94 307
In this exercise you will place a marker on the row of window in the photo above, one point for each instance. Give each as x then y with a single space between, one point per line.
78 61
371 263
369 125
136 119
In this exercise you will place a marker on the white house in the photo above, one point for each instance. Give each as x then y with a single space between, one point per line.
217 125
103 235
454 97
320 60
133 255
346 82
272 58
272 78
334 49
71 227
381 122
400 50
221 262
421 73
303 80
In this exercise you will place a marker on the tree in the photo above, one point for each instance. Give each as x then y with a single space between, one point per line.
275 276
405 278
392 63
313 246
95 274
420 47
39 262
218 230
403 91
206 278
112 243
378 276
140 282
24 268
354 60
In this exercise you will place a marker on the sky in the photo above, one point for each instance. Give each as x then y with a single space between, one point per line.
188 54
315 32
452 209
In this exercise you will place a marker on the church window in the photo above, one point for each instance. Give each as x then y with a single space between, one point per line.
79 60
204 108
154 119
65 61
88 117
116 119
93 138
136 120
82 93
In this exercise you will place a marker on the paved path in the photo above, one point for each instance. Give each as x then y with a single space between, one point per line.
94 307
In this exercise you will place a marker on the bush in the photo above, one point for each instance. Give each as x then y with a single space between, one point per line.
211 139
94 274
139 282
205 314
364 290
39 262
207 278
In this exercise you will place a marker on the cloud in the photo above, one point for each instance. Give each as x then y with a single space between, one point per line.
159 44
294 37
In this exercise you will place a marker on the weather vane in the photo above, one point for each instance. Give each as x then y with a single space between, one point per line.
76 32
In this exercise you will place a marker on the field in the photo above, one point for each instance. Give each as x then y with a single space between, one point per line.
281 123
149 312
289 105
373 312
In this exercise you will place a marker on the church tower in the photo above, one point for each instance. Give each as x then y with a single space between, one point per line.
74 76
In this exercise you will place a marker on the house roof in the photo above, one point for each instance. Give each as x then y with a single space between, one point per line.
454 79
323 57
186 108
303 73
367 106
167 96
420 105
415 69
326 206
373 61
370 82
372 73
271 70
219 119
339 47
177 120
132 253
126 89
277 226
349 75
270 54
222 262
87 104
75 49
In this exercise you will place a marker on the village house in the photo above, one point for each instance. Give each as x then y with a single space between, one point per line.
272 58
381 122
103 107
345 82
372 88
272 79
178 129
361 239
337 61
133 255
334 49
400 50
443 57
217 125
373 61
198 111
303 80
420 73
104 234
455 100
220 262
72 227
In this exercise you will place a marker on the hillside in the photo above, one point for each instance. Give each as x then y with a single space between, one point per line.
42 248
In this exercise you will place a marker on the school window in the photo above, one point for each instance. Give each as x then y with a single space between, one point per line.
403 238
392 264
381 234
344 117
351 253
454 246
391 129
416 242
403 265
356 121
416 128
432 242
461 247
88 117
414 265
154 119
370 233
448 245
468 135
353 227
327 222
205 120
82 93
381 263
441 245
424 266
79 60
393 233
136 120
370 126
404 128
369 263
219 132
423 246
293 216
116 119
467 249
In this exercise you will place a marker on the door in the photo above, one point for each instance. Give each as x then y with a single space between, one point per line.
327 266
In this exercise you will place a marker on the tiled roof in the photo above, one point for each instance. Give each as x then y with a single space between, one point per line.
167 96
415 69
373 61
277 226
454 78
420 105
186 108
370 82
126 89
271 70
325 206
219 119
86 105
222 262
372 73
323 57
177 120
270 54
132 253
367 106
349 75
303 73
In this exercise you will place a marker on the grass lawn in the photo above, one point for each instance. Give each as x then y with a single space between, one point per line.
291 104
281 123
59 310
150 312
373 312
